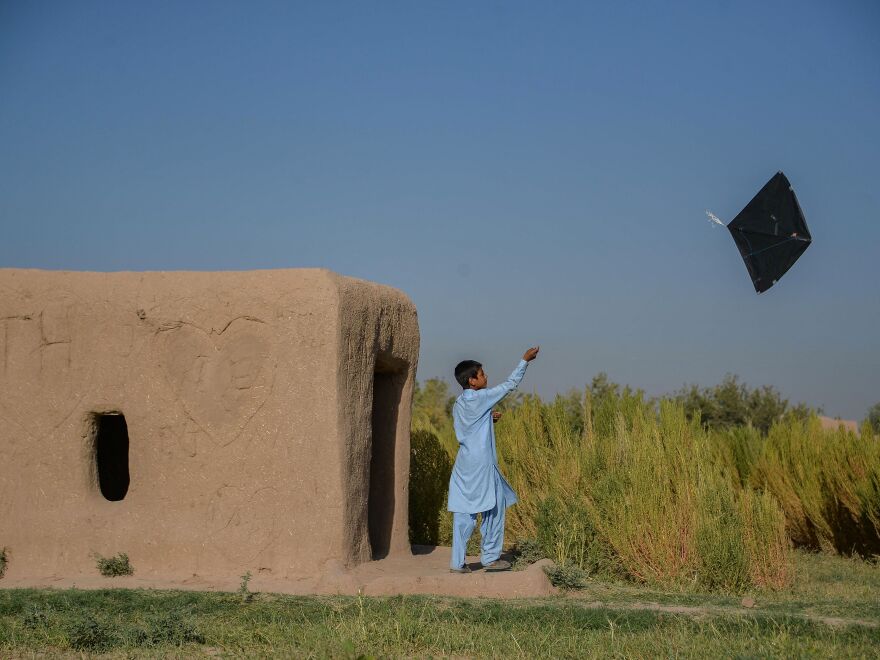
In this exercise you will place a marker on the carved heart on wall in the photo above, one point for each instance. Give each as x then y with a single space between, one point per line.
221 378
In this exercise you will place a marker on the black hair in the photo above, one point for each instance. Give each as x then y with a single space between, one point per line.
466 370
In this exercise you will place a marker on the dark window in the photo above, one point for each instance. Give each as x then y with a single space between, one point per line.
111 455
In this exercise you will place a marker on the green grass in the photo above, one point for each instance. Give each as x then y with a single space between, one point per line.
824 585
126 623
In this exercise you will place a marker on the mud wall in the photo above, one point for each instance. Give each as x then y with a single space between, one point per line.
243 396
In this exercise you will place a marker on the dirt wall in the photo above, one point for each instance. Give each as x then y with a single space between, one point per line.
247 400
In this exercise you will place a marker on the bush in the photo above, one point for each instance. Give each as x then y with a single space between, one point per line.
35 617
873 418
93 634
432 405
114 566
639 494
732 403
526 552
87 633
430 467
828 483
567 576
168 629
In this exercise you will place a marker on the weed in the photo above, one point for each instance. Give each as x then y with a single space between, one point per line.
526 552
244 592
35 617
3 561
168 629
567 576
114 566
88 633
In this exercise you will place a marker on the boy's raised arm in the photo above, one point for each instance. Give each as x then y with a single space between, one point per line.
495 394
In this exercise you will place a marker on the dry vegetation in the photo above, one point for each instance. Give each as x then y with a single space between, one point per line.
647 491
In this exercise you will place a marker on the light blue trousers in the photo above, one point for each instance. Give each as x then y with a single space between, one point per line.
491 529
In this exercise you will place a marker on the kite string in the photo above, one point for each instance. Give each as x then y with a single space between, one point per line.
714 219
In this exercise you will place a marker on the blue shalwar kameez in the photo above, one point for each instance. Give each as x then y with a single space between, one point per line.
476 485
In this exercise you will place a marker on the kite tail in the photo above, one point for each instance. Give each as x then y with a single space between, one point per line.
714 219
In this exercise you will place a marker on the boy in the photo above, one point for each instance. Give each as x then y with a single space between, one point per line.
476 485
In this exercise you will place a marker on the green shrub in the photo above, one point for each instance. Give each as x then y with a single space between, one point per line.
731 404
873 418
35 617
114 566
718 538
430 467
737 449
639 494
87 633
168 629
243 591
567 576
526 552
566 534
827 482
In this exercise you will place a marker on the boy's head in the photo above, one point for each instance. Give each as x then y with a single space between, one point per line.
470 375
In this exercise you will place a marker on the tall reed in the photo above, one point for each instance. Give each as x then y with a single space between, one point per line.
639 494
828 483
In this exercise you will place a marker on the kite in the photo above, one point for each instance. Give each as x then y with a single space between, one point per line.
770 232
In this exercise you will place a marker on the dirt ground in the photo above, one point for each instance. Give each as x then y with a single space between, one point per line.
426 571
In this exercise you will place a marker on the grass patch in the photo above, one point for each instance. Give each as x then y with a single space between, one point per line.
141 623
824 585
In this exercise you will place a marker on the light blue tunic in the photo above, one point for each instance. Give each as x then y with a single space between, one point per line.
475 475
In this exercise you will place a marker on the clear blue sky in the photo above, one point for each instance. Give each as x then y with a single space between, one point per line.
526 172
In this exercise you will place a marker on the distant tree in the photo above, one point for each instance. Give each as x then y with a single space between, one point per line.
765 406
432 403
601 388
732 403
873 417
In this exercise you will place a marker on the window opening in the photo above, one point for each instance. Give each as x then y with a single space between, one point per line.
111 455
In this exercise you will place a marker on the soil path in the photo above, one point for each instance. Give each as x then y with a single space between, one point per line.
699 611
425 571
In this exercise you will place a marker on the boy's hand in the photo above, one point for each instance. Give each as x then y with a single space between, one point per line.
496 415
531 354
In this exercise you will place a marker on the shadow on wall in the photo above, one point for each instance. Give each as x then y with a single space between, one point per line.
388 382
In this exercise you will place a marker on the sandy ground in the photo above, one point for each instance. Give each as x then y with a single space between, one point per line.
426 571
